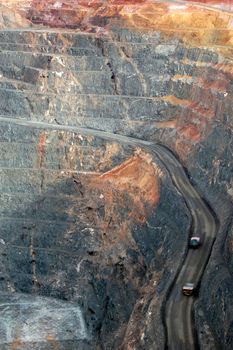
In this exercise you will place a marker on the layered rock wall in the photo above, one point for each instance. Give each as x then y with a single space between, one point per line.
79 224
160 71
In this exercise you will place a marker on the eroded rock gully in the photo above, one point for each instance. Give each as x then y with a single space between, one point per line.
94 226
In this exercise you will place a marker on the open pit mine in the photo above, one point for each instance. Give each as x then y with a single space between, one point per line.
116 175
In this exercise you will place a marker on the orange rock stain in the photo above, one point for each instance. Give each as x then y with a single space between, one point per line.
226 68
216 85
176 101
192 24
41 149
194 122
53 342
170 124
191 132
137 177
17 344
128 193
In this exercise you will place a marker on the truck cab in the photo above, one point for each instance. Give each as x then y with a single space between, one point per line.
195 242
188 289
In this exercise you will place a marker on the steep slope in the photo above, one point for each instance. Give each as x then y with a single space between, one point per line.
79 224
160 71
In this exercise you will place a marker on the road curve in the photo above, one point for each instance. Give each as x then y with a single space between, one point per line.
178 311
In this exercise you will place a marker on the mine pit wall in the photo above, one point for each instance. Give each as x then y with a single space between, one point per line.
174 87
216 287
124 101
67 233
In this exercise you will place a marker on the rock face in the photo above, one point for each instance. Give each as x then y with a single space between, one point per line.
43 319
79 224
98 224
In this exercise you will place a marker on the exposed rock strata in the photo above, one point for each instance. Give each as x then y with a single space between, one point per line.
157 71
77 229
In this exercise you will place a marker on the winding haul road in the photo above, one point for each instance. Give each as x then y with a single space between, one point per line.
179 322
178 312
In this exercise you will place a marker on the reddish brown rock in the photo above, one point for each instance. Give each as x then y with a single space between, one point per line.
139 178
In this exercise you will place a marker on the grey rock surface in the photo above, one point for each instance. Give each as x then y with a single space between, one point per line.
33 319
125 84
51 245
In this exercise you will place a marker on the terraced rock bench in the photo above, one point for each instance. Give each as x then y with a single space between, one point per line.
78 233
73 238
126 85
